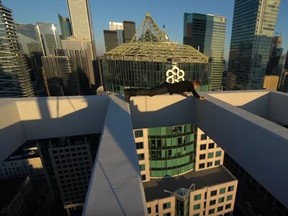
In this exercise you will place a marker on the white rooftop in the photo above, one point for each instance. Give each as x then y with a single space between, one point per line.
246 124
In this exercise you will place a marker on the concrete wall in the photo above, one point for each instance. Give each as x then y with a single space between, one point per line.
256 144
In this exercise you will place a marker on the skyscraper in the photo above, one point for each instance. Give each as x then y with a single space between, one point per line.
14 72
206 33
252 31
129 28
49 38
65 26
81 21
114 36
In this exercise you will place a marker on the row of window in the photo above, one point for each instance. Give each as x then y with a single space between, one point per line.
215 192
209 164
164 206
210 155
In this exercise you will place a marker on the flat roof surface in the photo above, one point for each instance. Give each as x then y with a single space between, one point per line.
154 189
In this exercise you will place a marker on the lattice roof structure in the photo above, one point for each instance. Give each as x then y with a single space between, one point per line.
152 44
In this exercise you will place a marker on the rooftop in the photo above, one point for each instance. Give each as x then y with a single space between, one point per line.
232 119
154 189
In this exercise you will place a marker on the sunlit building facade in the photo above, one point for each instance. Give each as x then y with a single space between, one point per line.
252 32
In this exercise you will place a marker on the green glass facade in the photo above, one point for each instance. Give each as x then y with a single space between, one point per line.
171 150
252 31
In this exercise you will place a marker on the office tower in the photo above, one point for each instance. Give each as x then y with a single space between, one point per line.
81 22
66 73
25 161
15 194
14 72
27 29
68 162
49 38
115 25
175 152
65 26
206 33
129 30
110 39
252 32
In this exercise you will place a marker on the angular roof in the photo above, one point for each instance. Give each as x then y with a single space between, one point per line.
152 44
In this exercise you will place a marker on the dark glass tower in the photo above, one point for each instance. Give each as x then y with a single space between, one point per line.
206 33
252 31
65 26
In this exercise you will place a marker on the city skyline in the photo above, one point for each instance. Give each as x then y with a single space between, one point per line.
161 12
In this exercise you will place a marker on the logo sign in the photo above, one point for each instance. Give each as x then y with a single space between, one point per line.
174 75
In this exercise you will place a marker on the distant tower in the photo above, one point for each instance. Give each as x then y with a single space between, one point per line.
252 32
114 36
14 72
65 26
48 37
81 21
129 28
206 33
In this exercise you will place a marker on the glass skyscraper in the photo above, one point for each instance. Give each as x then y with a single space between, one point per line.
206 33
65 26
252 31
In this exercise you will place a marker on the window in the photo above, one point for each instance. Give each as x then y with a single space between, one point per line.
156 208
211 145
231 188
221 199
228 206
218 153
149 210
229 197
196 207
222 190
217 162
211 155
211 211
142 167
202 156
141 157
209 164
167 214
213 193
138 133
202 146
201 166
166 205
220 208
203 136
143 177
212 202
139 145
197 197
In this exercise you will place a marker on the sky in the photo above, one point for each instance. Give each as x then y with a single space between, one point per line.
164 12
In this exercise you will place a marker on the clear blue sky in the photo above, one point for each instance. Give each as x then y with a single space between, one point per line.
164 12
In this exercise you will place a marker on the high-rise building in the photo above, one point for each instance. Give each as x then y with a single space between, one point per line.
206 33
110 39
68 162
14 71
252 32
115 25
81 22
49 38
65 26
80 45
174 152
129 30
66 73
